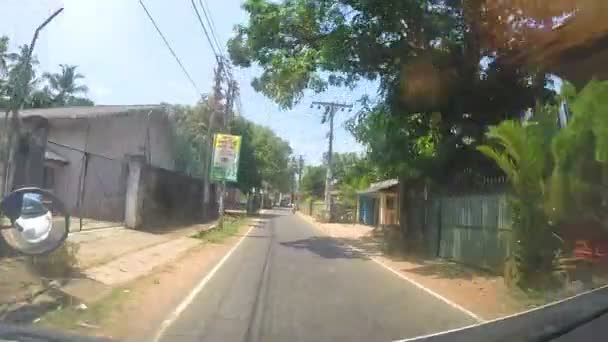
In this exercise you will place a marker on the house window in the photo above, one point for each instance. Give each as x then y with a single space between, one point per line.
48 178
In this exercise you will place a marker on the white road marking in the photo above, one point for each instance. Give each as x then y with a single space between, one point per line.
420 338
411 281
427 290
199 287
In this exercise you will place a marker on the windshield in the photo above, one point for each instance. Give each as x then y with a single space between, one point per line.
32 206
319 170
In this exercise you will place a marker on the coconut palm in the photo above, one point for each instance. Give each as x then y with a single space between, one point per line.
64 85
18 73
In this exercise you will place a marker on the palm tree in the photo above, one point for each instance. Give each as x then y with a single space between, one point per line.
64 85
523 152
16 72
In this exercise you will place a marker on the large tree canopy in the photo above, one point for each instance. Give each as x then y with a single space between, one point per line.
444 72
313 181
272 155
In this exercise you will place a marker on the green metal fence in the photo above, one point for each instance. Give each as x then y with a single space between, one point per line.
474 229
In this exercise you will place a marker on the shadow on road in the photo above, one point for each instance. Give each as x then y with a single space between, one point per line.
326 247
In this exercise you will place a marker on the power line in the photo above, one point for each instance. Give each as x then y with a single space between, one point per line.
206 7
211 38
169 47
224 66
209 19
200 20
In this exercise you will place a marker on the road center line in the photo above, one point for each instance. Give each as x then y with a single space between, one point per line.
196 290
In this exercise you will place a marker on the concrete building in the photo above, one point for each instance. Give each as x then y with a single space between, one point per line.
88 148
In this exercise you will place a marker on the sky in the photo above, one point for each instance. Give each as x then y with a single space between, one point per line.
125 61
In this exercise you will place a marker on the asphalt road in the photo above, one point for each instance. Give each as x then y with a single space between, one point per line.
288 282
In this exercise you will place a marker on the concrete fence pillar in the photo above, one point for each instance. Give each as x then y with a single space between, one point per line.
135 193
28 167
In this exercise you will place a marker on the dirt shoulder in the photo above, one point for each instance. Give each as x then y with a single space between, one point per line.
479 292
136 309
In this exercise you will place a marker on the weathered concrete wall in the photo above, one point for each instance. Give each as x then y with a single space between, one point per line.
105 183
70 133
115 137
27 169
132 134
170 197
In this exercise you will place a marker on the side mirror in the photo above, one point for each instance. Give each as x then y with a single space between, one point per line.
34 221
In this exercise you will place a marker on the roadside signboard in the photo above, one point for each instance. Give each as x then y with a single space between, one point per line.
225 162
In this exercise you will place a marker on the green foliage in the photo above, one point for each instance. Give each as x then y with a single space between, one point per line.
557 176
580 154
63 86
100 313
3 55
230 227
249 176
434 100
313 181
397 152
272 155
352 173
51 90
189 137
522 151
264 156
20 79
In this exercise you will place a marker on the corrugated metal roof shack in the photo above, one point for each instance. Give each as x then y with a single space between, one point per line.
378 205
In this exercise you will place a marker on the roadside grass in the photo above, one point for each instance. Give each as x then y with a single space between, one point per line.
95 316
100 315
231 226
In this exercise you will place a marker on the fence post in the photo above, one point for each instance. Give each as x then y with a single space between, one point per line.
134 196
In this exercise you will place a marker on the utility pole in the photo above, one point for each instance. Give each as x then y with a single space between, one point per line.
331 108
230 99
298 166
15 136
300 170
215 109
